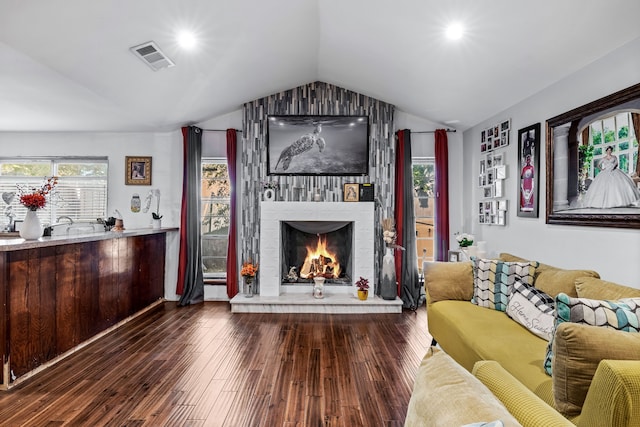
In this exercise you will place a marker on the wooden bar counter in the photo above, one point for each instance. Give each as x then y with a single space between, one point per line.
59 292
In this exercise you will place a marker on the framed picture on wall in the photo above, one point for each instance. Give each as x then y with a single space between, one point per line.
137 171
529 167
597 137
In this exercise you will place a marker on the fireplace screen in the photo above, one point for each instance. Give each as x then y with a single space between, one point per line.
316 248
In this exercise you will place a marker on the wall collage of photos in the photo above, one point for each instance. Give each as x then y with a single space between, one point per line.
492 209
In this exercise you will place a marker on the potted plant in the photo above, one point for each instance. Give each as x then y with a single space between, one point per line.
248 272
363 288
157 220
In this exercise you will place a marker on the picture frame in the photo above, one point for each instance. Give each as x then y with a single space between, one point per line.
529 171
317 145
568 172
351 192
137 170
454 256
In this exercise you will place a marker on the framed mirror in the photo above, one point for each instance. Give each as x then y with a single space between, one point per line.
593 167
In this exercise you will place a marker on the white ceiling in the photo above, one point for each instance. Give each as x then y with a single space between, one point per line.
66 65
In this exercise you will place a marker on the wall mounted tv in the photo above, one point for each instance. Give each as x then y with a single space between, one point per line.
318 145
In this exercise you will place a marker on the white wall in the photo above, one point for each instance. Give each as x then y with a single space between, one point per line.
614 253
166 152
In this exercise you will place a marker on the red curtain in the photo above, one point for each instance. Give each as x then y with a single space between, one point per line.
232 264
442 195
399 204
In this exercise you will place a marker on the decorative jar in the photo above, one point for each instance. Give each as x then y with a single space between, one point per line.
318 287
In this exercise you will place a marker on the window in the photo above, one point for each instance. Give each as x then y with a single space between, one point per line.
216 210
616 131
81 193
424 208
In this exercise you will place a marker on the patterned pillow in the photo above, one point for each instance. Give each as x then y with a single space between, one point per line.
493 280
622 315
533 309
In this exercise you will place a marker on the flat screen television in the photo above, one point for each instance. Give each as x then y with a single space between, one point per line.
318 145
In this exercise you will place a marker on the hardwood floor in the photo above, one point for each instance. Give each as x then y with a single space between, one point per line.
204 366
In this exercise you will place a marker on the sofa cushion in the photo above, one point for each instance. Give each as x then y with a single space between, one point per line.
622 315
493 279
445 394
470 333
578 349
533 309
590 287
448 280
553 280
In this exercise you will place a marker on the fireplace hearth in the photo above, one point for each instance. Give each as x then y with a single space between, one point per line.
276 295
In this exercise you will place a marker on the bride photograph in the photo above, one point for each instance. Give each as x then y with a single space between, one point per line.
593 166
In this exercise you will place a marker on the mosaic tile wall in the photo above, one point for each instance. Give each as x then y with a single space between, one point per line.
314 99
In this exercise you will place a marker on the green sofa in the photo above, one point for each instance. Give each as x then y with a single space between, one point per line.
509 359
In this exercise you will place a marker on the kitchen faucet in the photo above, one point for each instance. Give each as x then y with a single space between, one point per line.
65 217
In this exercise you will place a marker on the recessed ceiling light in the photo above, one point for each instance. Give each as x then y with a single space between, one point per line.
455 31
187 40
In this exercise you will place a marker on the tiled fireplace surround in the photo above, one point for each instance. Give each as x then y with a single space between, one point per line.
275 297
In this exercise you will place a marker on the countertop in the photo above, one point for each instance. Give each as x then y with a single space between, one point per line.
9 243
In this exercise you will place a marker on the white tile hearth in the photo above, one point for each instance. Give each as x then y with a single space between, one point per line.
330 304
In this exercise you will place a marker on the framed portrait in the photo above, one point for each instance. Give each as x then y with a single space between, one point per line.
593 165
137 171
351 192
529 171
454 256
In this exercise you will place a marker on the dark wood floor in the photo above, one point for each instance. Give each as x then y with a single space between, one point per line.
204 366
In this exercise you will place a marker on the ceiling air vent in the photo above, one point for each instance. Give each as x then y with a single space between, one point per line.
151 55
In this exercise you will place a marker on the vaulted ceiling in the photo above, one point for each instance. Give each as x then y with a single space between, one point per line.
65 65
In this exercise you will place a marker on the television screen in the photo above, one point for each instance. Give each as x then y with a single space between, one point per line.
318 145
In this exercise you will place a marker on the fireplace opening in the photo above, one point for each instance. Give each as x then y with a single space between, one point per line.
316 248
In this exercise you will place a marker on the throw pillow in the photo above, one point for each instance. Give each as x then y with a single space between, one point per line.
622 315
589 287
578 349
448 280
553 280
533 309
493 280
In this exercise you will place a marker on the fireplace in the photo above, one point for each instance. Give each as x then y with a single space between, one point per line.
316 249
355 223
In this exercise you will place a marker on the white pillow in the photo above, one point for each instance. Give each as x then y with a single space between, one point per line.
533 309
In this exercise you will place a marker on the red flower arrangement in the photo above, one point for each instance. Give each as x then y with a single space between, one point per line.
36 198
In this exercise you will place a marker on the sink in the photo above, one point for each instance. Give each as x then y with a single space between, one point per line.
9 235
67 229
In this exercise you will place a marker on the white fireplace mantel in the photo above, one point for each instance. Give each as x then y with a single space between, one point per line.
361 214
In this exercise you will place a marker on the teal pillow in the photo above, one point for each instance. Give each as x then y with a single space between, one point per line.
622 315
493 280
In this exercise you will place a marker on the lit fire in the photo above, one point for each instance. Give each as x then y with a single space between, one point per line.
320 262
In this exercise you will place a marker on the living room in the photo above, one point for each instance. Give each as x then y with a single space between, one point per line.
60 122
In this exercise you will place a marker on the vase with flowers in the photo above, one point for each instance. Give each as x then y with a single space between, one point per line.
270 188
465 240
363 288
34 198
248 273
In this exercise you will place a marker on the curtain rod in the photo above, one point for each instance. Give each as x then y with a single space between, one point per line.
219 130
433 131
